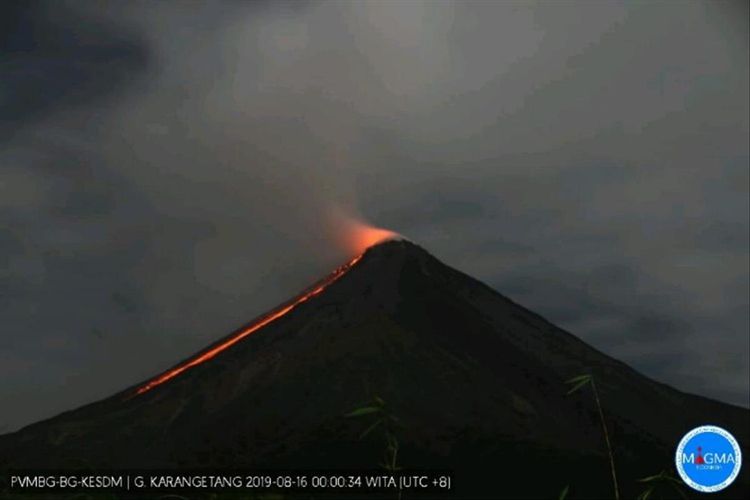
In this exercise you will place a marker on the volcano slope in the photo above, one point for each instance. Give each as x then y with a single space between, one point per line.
477 381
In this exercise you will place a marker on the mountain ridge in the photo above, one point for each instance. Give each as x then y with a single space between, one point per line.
470 373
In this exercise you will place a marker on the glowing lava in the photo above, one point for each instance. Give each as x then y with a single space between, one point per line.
256 325
358 236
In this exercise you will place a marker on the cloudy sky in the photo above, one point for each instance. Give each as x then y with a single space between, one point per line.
168 170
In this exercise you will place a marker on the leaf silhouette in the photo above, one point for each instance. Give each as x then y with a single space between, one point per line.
370 429
366 410
646 494
578 378
578 382
564 493
577 386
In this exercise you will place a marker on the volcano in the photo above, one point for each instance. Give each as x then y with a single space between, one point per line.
476 381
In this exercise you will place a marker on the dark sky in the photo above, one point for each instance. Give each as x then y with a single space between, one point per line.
168 170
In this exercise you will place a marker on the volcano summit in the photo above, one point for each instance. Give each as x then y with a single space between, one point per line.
476 381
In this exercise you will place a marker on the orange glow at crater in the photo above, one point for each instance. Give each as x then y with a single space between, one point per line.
357 236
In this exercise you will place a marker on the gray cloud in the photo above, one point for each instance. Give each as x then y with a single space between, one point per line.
170 170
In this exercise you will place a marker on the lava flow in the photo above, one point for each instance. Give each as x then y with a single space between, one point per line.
358 236
251 328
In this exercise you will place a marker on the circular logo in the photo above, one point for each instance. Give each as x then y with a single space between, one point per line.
708 458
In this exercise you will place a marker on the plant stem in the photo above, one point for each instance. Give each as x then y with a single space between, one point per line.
606 439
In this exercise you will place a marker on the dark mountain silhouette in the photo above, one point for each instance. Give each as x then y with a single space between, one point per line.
477 381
